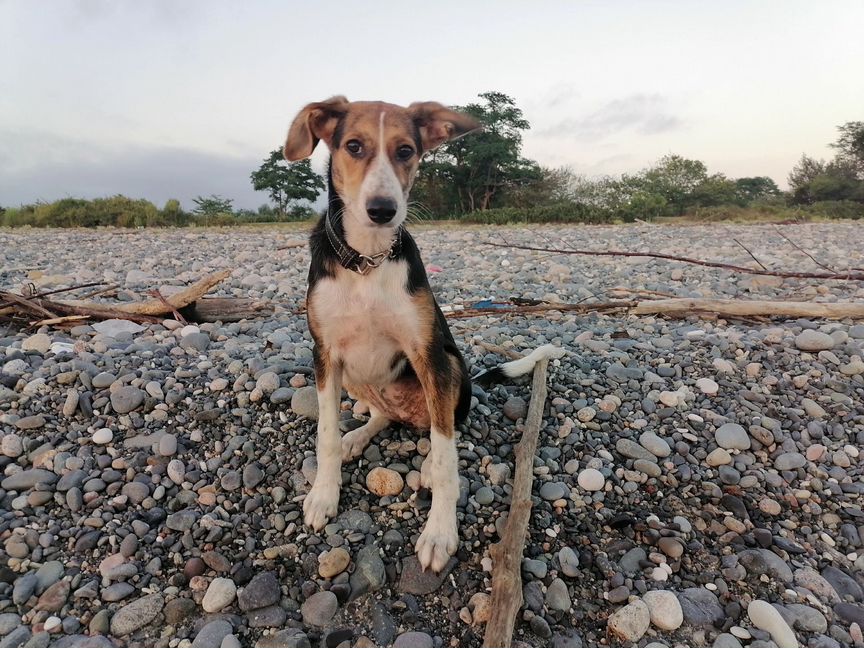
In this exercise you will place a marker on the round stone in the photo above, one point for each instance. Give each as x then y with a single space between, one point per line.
384 482
707 386
810 340
334 562
732 436
631 622
220 594
664 609
319 608
102 436
591 479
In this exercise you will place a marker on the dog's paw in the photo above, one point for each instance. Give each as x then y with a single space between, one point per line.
321 504
436 544
354 443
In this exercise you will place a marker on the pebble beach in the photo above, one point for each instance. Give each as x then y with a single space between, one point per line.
698 481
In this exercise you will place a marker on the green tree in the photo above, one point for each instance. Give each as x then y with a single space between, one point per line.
800 177
850 146
212 205
676 179
483 170
749 190
285 182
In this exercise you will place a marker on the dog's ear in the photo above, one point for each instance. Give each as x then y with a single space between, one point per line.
317 121
438 124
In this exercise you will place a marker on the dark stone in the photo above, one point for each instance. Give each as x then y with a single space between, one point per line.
415 581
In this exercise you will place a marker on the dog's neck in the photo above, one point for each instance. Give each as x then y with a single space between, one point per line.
356 236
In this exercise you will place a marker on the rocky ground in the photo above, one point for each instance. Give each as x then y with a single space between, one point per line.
698 482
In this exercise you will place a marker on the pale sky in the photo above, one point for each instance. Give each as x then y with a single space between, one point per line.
159 99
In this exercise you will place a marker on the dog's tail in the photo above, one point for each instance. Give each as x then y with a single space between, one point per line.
518 367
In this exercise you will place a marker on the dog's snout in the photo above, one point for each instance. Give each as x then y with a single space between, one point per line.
381 210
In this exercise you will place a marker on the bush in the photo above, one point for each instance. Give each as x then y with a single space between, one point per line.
836 209
558 213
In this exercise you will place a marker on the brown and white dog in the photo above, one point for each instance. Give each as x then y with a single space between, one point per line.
377 329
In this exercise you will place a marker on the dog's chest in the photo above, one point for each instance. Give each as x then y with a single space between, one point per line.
364 321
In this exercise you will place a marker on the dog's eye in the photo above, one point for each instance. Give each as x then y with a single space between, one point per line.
354 147
404 152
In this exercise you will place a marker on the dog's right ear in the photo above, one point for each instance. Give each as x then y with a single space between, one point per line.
317 121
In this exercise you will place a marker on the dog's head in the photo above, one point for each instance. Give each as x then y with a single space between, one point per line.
375 149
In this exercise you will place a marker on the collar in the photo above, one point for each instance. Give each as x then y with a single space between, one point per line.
351 259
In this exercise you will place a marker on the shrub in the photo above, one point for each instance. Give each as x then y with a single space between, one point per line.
558 213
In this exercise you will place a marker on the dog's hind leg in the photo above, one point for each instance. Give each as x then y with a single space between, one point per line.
355 441
322 501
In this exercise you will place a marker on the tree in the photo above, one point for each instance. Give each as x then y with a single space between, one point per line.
483 170
212 205
676 179
749 190
800 177
287 182
850 145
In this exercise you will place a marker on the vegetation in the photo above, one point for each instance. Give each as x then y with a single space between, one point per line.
288 184
484 178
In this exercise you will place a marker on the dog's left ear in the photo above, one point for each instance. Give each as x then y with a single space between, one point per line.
438 124
316 121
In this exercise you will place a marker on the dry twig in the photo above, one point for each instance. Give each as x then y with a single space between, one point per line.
507 554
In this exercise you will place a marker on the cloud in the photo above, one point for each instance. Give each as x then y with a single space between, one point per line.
43 166
638 113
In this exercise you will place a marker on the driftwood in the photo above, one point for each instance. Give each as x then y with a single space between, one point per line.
220 309
160 306
682 307
507 554
188 303
743 308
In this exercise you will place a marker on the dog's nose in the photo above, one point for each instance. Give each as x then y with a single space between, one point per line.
381 210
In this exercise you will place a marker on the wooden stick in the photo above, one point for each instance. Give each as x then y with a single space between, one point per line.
225 309
494 348
60 320
744 308
507 554
154 307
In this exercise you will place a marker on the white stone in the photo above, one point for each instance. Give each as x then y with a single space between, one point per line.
707 386
766 617
664 608
591 479
102 436
219 595
113 327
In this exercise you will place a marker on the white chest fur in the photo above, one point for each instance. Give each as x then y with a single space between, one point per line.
364 320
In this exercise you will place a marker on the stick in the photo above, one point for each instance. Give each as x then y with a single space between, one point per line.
60 320
494 348
845 276
221 309
154 307
741 308
752 256
158 295
507 554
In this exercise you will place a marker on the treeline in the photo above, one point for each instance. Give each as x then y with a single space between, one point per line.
120 211
484 177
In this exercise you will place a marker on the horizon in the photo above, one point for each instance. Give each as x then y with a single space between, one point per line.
194 96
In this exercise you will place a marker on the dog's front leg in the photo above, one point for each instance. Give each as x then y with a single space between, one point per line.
440 537
322 501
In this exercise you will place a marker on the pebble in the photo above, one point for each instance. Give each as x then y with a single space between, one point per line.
220 594
136 614
765 617
102 436
732 436
384 482
631 622
569 561
333 562
319 608
664 609
591 479
810 340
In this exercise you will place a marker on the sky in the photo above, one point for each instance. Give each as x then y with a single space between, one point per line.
164 99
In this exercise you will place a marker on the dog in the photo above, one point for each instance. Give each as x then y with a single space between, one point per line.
376 327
